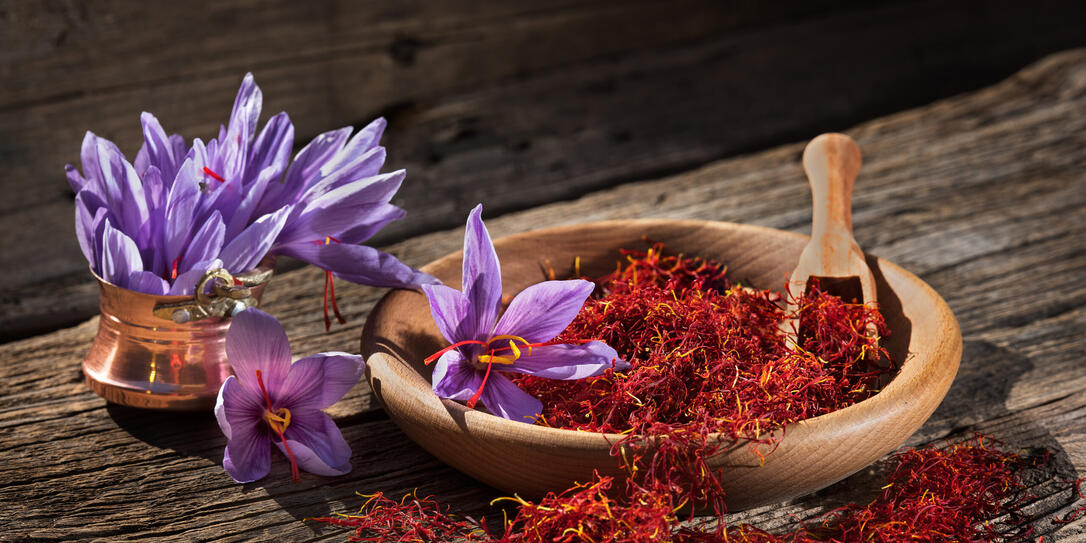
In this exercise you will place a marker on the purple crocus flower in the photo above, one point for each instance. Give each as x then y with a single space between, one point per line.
273 401
236 199
517 342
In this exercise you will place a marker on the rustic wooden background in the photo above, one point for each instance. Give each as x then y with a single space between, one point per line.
983 196
551 114
515 103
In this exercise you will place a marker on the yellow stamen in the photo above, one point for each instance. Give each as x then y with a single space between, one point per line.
278 420
513 347
494 359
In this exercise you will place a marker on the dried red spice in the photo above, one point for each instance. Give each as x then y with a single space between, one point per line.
586 512
706 353
931 494
1078 492
707 358
410 519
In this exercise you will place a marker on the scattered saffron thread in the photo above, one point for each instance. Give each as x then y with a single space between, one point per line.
954 493
410 519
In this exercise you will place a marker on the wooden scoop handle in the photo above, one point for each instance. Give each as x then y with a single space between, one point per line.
832 162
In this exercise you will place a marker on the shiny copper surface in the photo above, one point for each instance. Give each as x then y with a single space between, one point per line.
141 360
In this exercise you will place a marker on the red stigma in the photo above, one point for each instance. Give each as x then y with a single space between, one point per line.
208 172
475 397
330 292
438 354
329 288
295 476
173 271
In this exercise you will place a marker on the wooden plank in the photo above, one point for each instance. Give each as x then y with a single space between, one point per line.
71 68
981 195
517 105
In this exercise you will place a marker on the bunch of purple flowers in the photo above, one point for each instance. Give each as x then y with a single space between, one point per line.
157 224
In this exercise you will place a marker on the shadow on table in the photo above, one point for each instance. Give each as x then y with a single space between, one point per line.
198 435
384 459
978 396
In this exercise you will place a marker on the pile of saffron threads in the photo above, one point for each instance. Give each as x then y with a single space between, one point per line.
931 494
707 357
707 354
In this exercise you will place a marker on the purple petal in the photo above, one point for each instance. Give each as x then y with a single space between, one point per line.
256 341
239 412
88 155
185 283
90 211
179 147
181 201
148 283
206 243
358 264
141 162
505 399
317 444
482 278
120 256
370 222
354 228
154 188
567 362
271 150
75 180
245 251
304 170
543 310
222 195
362 166
362 142
123 189
234 145
158 147
452 313
153 234
247 205
352 205
455 378
318 381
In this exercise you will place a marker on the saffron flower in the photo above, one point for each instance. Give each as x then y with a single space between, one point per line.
517 342
271 400
177 208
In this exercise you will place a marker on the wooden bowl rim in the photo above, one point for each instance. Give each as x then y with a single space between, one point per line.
483 423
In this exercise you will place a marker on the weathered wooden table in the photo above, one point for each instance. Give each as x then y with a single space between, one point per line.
982 195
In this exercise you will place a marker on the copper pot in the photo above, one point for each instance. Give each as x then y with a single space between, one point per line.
168 352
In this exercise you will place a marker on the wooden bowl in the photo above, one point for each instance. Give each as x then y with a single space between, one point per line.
531 460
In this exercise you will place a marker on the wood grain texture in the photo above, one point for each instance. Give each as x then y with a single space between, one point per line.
983 196
530 461
518 104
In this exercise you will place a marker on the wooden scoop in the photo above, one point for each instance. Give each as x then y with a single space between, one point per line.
832 256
